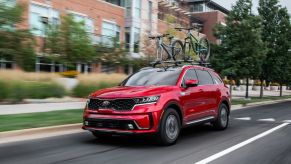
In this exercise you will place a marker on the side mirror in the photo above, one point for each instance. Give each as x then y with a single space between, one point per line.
191 83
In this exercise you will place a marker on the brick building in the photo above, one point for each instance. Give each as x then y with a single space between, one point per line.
131 21
207 11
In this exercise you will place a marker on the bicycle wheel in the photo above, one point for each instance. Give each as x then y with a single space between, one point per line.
204 49
178 50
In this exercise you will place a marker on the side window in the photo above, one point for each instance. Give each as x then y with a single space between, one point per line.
216 79
204 77
190 74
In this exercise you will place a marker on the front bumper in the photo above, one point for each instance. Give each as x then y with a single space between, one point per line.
125 124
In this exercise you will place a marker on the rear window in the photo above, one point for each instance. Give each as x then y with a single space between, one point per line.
204 77
216 78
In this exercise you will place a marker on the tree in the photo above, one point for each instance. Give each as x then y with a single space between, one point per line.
241 52
69 42
16 45
276 35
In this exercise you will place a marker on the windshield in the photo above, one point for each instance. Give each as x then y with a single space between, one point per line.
153 77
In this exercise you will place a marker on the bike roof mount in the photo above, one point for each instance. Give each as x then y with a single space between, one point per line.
178 63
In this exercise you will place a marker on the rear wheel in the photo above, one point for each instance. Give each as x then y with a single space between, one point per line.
177 50
169 128
204 49
222 119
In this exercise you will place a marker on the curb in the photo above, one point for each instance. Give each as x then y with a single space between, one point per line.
36 133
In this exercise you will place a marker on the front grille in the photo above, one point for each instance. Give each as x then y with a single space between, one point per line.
110 124
116 104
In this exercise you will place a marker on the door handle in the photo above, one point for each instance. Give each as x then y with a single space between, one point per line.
201 90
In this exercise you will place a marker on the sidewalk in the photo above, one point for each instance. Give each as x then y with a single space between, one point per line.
39 107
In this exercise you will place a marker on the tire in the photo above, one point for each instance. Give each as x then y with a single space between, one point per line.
169 128
222 120
204 49
178 50
101 135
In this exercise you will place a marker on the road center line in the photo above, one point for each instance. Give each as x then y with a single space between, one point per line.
237 146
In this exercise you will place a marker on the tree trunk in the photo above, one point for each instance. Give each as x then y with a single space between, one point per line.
261 88
281 92
247 89
230 89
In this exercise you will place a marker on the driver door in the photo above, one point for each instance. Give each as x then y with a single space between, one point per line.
192 97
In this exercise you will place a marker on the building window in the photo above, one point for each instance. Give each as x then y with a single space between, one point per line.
128 8
8 3
150 15
110 32
40 16
197 8
137 9
136 40
88 22
117 2
127 38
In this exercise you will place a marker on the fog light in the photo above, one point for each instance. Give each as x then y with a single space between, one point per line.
86 123
130 126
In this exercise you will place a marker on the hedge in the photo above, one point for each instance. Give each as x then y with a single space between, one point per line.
19 90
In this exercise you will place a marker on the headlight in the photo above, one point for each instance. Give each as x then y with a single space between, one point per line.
144 100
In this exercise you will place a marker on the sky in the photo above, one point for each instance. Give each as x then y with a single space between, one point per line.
228 3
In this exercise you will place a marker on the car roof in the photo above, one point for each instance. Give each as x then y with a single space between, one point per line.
178 67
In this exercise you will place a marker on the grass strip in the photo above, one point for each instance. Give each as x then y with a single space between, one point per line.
244 101
41 119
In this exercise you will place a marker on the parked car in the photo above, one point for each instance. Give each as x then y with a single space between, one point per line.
159 102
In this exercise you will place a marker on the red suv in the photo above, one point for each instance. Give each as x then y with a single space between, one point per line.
159 101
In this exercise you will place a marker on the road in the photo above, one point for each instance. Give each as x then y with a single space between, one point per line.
199 143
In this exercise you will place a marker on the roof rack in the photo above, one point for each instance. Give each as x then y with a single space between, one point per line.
178 63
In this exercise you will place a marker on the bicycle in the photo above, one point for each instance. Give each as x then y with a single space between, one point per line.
167 52
200 46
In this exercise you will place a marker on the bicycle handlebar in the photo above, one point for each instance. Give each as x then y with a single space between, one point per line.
195 26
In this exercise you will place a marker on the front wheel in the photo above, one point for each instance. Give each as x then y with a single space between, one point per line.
169 128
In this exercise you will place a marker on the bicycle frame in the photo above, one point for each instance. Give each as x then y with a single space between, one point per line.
161 46
193 40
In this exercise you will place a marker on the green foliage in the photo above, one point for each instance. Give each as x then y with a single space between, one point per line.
276 35
83 90
242 51
16 91
15 44
40 119
69 42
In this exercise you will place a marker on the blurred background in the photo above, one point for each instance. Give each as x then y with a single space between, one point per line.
61 51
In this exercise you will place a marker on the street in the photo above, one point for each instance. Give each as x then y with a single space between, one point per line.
195 144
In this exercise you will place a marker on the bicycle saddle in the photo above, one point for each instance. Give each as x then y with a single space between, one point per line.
159 36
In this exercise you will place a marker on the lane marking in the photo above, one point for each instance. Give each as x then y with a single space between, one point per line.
243 118
267 119
237 146
288 121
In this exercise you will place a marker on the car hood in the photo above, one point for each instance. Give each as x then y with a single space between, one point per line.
131 91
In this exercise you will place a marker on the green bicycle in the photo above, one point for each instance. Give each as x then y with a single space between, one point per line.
192 44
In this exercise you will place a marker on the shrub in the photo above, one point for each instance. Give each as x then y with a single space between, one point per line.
18 85
70 74
83 90
16 91
275 84
89 83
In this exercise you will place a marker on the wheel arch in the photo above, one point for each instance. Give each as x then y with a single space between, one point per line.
176 107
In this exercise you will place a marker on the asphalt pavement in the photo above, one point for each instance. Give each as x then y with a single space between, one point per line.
256 135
